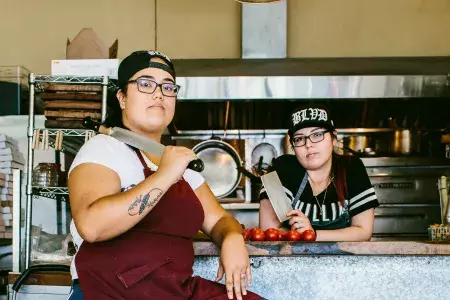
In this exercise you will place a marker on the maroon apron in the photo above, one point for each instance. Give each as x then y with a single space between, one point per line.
154 259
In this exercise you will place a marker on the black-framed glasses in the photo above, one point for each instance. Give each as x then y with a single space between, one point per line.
315 137
149 86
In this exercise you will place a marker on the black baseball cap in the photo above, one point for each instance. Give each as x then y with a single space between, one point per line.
140 60
310 116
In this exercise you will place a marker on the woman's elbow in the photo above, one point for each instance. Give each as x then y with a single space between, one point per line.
87 232
366 235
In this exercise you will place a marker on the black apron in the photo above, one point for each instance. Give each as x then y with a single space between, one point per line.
342 221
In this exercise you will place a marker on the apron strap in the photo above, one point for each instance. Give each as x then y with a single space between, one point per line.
300 190
147 170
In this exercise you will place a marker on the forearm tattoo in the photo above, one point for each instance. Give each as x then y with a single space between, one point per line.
143 201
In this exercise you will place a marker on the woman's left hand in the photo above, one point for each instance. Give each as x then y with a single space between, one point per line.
235 263
298 221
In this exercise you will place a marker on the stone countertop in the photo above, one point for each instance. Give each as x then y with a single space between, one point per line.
205 248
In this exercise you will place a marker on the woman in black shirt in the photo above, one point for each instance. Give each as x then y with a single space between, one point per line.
330 193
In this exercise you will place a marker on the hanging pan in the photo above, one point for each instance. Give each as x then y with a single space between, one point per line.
222 164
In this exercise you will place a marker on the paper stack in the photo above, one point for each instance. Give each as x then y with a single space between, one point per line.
10 158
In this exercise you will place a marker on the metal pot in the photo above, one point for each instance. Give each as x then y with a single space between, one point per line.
406 141
287 146
222 164
358 142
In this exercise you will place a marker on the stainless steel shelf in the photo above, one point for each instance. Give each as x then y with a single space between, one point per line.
68 79
93 80
258 133
55 193
66 132
51 190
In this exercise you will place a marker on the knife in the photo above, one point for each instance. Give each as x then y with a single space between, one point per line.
277 196
136 140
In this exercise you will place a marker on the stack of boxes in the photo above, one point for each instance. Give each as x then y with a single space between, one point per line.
10 158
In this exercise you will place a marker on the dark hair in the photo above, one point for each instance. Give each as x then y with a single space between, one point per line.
339 174
113 110
339 164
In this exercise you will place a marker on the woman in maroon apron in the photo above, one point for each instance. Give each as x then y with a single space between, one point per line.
138 244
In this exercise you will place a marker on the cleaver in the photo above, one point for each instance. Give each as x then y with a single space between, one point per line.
136 140
277 196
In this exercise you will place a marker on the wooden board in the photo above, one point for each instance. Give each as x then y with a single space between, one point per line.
72 87
53 278
71 96
73 104
72 114
67 124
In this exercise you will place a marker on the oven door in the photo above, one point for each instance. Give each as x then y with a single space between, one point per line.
408 221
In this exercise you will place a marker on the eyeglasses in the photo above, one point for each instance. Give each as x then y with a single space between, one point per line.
148 86
316 137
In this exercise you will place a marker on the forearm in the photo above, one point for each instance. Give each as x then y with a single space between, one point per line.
349 234
227 225
113 215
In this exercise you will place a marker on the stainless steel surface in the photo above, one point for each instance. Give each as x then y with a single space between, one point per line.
259 133
308 87
29 202
404 220
39 292
259 1
17 207
105 83
264 30
430 66
409 199
221 166
137 140
427 164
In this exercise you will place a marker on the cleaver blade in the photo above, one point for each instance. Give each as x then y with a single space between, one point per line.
277 196
136 140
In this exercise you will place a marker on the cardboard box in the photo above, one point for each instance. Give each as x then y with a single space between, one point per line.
88 45
85 67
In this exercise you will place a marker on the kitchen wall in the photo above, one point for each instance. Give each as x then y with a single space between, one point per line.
34 32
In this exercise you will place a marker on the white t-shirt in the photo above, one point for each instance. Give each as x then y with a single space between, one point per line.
109 152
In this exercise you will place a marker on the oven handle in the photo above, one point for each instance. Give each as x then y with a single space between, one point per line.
418 215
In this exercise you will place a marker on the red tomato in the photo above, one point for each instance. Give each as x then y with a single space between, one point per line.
255 229
294 235
257 234
246 234
272 234
308 235
283 236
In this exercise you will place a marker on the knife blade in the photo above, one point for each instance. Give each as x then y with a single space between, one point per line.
136 140
277 196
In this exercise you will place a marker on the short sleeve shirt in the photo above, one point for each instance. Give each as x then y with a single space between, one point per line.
325 207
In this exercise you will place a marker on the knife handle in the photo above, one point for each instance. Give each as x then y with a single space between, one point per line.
91 124
196 165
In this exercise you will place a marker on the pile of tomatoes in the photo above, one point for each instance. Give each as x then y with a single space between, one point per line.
272 234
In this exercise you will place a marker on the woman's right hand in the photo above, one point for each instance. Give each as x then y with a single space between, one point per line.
298 221
175 160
